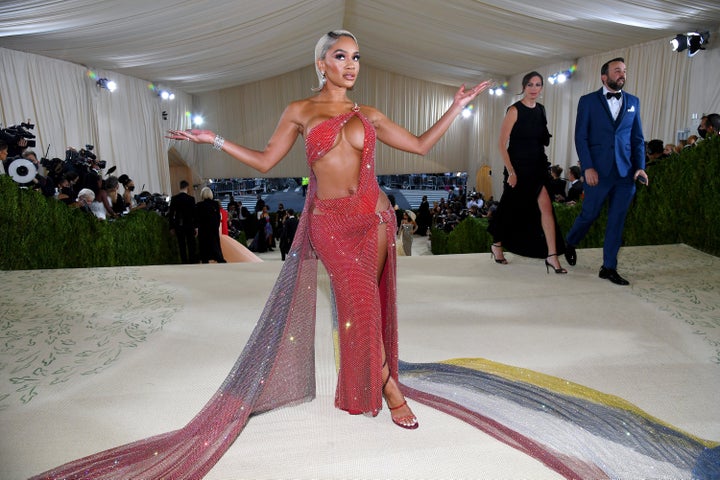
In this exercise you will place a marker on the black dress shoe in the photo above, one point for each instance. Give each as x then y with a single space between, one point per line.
570 255
612 275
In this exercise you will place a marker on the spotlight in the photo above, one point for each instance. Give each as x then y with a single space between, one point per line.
197 120
498 90
467 111
679 43
161 92
106 84
562 76
696 42
692 42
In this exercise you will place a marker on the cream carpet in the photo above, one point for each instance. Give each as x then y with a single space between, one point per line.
94 358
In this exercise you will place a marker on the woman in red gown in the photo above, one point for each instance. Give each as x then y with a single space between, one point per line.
354 247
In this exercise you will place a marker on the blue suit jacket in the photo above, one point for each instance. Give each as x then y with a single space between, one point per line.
602 142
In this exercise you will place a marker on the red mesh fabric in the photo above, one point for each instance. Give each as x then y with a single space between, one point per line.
347 246
344 233
277 365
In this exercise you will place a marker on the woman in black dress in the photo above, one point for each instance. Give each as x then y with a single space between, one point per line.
207 216
524 222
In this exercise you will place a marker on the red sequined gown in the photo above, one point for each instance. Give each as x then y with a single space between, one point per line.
277 365
344 233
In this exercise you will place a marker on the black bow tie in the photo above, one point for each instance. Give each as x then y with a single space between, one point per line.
617 95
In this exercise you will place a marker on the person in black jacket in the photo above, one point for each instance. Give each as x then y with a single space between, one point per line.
576 187
182 223
287 232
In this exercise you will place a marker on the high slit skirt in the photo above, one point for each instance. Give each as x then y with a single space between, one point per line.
366 312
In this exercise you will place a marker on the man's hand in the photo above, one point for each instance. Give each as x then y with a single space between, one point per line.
642 177
591 177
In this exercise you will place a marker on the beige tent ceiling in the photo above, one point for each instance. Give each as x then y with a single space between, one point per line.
200 45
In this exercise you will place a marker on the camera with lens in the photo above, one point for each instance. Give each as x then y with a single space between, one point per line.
83 157
154 202
14 135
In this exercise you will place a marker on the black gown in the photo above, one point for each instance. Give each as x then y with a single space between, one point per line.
207 215
516 221
424 218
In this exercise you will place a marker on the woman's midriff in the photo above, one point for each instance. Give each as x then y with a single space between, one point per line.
351 204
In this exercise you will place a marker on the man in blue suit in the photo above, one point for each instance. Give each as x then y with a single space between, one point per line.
611 148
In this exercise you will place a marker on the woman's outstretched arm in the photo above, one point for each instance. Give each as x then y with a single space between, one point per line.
278 146
398 137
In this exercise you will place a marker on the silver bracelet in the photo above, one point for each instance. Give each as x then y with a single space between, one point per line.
218 143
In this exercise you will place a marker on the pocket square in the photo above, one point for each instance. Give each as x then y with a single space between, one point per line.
631 109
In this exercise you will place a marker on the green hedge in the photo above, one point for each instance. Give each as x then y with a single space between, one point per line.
37 232
681 205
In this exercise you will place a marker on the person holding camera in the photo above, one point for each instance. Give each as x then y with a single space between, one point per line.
17 138
42 183
129 199
3 156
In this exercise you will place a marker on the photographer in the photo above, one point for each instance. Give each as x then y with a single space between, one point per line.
130 200
41 183
66 193
17 138
3 155
85 199
102 206
113 199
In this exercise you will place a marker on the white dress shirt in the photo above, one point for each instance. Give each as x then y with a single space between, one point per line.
614 103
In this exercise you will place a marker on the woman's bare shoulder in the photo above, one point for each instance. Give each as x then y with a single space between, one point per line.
374 115
298 107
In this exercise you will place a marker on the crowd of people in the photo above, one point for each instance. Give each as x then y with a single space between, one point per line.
656 150
78 181
198 226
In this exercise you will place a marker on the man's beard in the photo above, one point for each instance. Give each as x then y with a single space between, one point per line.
616 85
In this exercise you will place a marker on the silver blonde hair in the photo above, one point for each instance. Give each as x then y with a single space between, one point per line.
206 193
322 47
87 194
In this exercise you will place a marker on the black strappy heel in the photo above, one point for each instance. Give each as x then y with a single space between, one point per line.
498 259
549 265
